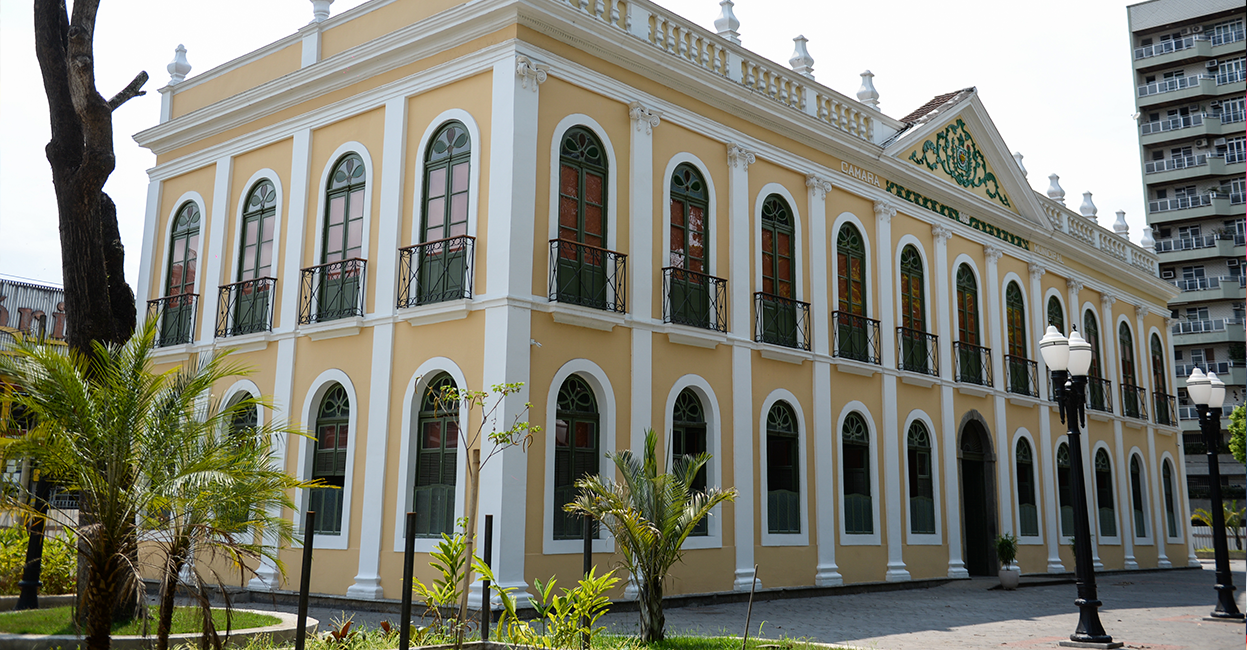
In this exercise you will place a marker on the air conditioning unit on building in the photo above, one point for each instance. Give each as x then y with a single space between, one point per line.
1201 143
1195 29
1216 103
1186 31
1166 274
1211 64
1219 141
1233 261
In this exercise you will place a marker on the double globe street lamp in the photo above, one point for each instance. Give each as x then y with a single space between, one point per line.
1070 360
1208 393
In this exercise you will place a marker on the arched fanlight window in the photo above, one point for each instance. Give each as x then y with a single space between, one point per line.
690 205
179 304
851 271
967 306
1104 494
1056 315
1064 490
245 417
1136 497
1125 341
1091 333
921 485
688 438
446 167
777 247
344 217
437 446
1171 515
783 491
914 353
582 188
1159 385
329 459
255 260
1028 509
859 516
575 450
1015 320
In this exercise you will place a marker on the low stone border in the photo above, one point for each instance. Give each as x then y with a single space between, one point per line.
282 631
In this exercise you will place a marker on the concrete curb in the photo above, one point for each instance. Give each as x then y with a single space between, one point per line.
282 631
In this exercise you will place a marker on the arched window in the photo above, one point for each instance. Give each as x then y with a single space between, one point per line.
575 450
969 353
1064 490
433 496
688 438
914 355
245 418
179 307
783 492
1017 361
1171 515
1056 315
1162 407
329 459
851 327
1099 393
1131 401
688 288
442 264
1136 497
859 516
921 487
343 240
582 267
1104 494
255 260
779 311
1028 510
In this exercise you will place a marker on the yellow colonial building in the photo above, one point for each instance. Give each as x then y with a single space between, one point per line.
651 226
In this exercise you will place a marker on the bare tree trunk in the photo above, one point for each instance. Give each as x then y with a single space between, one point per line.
474 490
649 599
168 590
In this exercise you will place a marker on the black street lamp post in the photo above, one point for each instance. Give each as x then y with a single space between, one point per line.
1069 360
1208 393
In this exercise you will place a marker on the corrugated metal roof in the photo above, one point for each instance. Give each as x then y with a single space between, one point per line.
1156 13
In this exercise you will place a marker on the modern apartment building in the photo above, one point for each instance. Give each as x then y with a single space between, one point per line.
1188 62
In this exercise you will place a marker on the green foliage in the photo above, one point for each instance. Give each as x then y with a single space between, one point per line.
565 617
1006 549
1233 514
450 560
1238 433
186 620
60 565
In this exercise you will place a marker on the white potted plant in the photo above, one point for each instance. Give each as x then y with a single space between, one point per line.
1007 552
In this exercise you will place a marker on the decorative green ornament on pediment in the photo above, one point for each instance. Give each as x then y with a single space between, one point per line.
955 152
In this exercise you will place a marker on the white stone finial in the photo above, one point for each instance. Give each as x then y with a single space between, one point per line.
1148 243
1120 226
1017 155
179 67
1054 189
320 10
1087 209
726 24
801 62
867 93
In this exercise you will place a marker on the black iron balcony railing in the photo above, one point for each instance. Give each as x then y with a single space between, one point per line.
589 276
332 291
856 337
917 351
1165 409
1099 394
692 298
1021 376
973 363
245 307
1134 402
781 321
436 271
175 317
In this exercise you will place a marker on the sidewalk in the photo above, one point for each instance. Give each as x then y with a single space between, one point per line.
1153 611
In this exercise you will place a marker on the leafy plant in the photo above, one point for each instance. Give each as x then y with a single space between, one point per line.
1006 549
1234 517
60 565
564 617
450 560
1238 433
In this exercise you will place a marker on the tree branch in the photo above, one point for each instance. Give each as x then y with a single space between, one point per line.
129 92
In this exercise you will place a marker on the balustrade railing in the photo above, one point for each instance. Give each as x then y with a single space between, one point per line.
917 351
973 363
588 276
1199 326
245 307
1231 76
695 299
436 271
1021 376
1188 413
1170 85
1134 402
1166 47
1219 367
781 321
1099 394
1165 409
332 291
175 316
1171 164
1171 124
1180 203
856 337
1227 36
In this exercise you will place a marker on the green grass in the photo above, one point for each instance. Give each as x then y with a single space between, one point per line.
57 620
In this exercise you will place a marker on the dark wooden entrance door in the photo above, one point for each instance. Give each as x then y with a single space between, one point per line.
976 508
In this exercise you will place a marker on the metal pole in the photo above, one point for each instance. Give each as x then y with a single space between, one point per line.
749 612
28 596
1070 396
588 535
305 580
409 557
488 560
1210 425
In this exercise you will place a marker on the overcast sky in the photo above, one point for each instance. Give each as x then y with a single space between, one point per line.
1054 76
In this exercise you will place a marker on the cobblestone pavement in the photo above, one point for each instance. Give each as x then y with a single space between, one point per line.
1151 611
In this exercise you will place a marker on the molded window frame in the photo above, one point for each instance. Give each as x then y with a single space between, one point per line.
714 446
783 539
923 539
858 539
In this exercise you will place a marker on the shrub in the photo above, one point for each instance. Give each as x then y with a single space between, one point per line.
60 567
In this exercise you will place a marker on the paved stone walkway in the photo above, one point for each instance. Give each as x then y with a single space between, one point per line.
1152 611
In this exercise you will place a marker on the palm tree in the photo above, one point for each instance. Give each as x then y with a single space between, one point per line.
126 439
649 515
1234 517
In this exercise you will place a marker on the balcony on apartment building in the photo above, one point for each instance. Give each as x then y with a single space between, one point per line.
1181 249
1191 87
1180 50
1225 287
1233 373
1182 168
1198 125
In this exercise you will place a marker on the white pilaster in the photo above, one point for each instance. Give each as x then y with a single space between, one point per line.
948 417
889 431
1154 497
826 573
1000 347
297 219
1052 509
740 327
1075 322
218 223
1108 343
310 36
641 226
147 262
